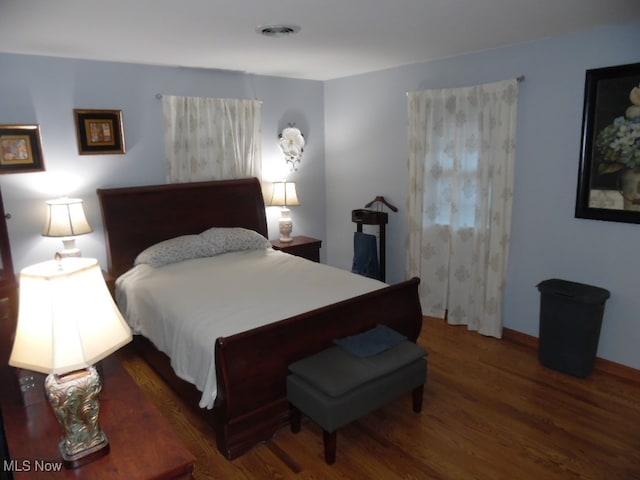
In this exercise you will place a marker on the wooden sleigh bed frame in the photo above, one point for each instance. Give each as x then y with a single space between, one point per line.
251 367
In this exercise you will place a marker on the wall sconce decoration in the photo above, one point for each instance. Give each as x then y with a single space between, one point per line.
292 145
66 219
284 195
67 322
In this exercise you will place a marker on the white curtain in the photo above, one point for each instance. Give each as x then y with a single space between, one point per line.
461 162
211 138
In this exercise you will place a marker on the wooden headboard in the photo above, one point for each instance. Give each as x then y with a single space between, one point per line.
136 217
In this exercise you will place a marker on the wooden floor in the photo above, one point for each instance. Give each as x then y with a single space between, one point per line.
490 412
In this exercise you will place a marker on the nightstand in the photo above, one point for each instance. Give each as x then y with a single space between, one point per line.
142 443
301 246
111 283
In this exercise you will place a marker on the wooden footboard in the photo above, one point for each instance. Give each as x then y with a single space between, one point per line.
251 367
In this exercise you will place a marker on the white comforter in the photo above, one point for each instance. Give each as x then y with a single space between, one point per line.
183 307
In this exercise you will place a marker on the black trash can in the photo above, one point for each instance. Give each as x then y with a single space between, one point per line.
570 320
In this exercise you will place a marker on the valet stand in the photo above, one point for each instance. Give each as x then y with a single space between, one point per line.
366 216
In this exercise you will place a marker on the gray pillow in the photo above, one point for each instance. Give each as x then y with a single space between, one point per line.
233 239
175 250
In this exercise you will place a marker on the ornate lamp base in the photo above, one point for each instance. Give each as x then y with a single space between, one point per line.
74 399
70 249
285 225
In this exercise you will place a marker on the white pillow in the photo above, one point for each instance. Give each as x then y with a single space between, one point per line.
175 250
233 239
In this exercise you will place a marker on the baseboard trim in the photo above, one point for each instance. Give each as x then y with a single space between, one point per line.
519 338
602 365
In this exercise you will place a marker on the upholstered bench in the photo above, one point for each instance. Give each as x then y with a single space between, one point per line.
335 387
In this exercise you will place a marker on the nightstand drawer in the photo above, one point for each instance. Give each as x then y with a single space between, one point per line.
301 246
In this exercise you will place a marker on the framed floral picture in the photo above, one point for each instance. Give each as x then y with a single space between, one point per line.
609 173
20 149
99 132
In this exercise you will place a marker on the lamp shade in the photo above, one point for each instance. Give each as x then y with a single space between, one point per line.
67 319
65 218
284 194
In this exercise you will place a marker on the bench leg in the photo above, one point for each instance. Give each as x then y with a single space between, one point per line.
417 398
296 416
329 439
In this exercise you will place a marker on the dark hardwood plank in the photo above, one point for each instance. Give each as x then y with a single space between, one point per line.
490 411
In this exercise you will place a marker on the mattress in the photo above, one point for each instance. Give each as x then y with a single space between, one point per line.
182 308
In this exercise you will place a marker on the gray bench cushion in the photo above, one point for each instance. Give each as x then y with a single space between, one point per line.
332 413
336 372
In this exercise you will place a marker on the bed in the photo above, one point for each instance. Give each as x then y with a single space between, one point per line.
251 365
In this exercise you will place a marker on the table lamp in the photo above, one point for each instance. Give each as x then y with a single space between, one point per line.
284 195
67 322
66 218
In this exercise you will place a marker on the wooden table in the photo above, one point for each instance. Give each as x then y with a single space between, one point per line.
143 444
301 246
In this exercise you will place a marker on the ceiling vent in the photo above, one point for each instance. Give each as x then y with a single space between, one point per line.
277 30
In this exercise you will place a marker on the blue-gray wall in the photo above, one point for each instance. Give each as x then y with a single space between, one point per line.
366 148
45 91
356 129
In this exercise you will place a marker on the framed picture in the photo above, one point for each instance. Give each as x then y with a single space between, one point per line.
21 149
99 131
609 173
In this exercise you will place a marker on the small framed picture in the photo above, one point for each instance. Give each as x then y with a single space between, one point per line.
21 149
99 132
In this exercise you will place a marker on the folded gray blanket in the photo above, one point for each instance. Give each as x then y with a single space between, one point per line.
371 342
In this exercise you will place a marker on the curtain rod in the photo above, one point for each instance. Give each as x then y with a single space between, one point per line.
159 97
519 78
